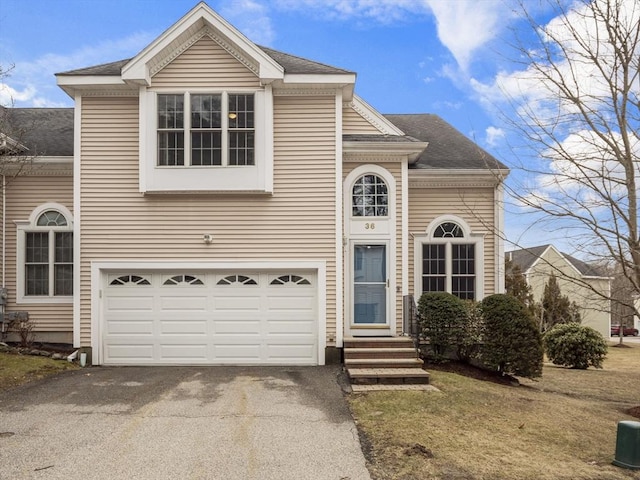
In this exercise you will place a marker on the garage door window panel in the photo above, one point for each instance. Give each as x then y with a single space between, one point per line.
130 280
237 280
184 280
290 279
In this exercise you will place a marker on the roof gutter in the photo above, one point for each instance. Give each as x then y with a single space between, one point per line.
456 177
408 149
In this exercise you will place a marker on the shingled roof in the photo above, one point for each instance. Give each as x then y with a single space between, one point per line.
45 132
526 257
448 148
291 64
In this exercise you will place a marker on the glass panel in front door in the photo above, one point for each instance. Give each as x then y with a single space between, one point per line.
370 284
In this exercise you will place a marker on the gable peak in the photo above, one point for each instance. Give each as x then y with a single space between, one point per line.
199 21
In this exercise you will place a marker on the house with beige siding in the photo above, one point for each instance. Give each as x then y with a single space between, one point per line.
219 202
582 283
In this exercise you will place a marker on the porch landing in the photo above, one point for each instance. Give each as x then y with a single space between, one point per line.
384 363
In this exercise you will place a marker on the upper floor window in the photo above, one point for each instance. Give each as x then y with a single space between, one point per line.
206 129
370 197
45 255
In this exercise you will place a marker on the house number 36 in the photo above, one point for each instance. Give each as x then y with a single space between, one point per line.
370 226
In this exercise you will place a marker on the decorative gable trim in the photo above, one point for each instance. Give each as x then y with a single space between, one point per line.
367 112
452 178
203 18
205 32
10 145
301 92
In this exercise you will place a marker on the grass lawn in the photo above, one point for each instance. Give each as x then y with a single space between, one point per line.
562 426
18 369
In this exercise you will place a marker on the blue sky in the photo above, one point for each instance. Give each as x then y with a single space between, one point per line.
411 56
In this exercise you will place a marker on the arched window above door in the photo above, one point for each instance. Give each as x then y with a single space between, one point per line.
370 197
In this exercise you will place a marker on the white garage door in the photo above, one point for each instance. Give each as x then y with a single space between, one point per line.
239 318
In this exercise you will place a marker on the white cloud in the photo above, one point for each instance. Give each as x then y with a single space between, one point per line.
466 25
251 18
9 96
383 11
494 135
33 83
535 90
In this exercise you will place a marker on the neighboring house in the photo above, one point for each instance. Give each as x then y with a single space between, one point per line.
232 204
582 283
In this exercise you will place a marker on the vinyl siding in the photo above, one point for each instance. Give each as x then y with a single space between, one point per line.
296 222
353 123
395 169
594 310
205 65
23 195
474 205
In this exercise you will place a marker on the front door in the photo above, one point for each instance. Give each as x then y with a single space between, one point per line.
370 287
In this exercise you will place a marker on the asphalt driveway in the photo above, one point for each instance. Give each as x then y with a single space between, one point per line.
181 423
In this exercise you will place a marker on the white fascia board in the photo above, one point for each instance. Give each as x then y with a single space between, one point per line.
557 252
40 166
337 79
363 107
420 177
53 160
409 149
72 83
344 81
595 277
8 144
79 81
136 71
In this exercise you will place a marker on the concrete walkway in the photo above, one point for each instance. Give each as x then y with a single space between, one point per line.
181 423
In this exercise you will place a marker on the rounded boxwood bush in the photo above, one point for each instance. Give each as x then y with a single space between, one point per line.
512 343
442 320
576 346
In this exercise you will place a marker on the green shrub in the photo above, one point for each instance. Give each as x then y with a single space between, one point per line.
512 343
442 321
576 346
470 339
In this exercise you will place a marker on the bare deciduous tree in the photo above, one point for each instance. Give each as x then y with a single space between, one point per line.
576 105
15 157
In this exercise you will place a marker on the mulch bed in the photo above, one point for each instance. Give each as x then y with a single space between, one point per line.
472 372
634 411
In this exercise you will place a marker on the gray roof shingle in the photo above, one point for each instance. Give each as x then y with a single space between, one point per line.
526 257
298 65
44 131
290 63
448 148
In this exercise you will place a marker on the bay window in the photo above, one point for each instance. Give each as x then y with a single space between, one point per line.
205 129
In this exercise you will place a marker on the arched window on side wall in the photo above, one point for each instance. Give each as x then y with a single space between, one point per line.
45 255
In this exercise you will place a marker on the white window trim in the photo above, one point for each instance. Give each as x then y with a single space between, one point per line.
187 129
206 178
28 226
470 237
